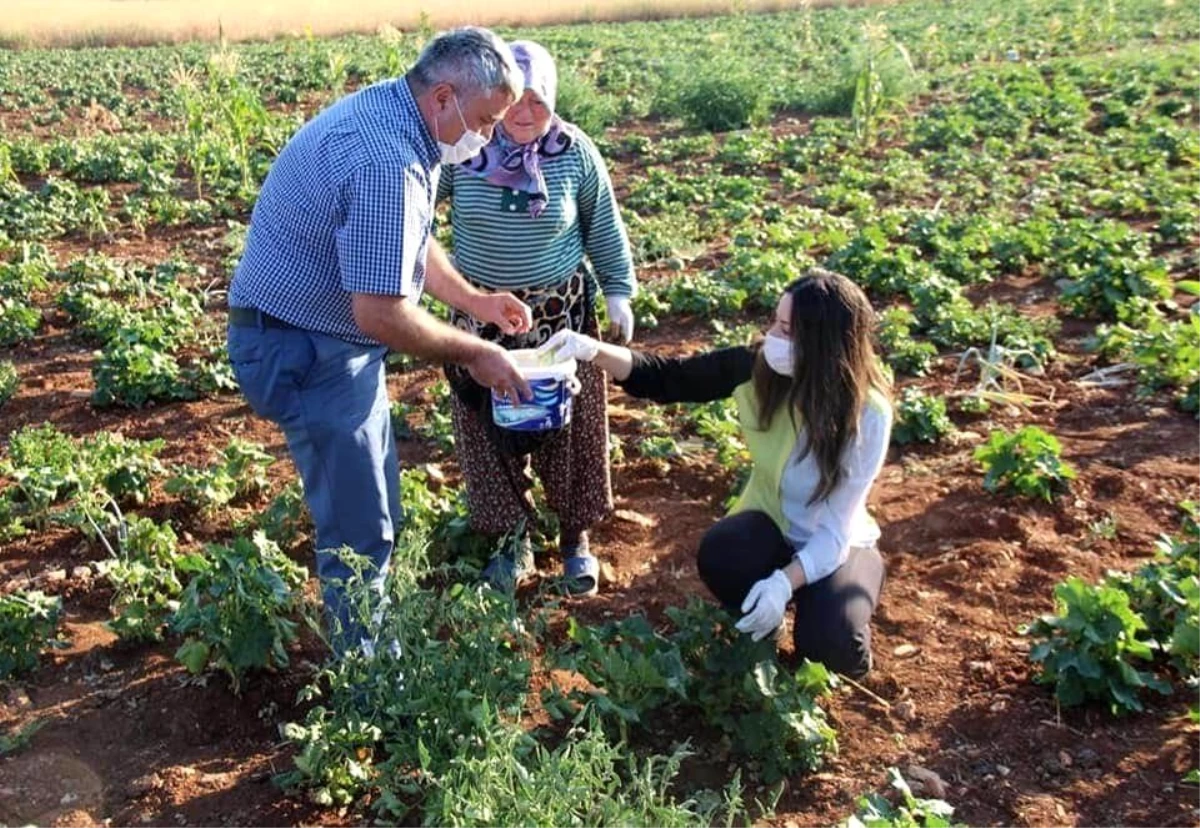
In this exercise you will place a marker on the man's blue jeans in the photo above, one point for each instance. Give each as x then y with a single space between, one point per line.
330 399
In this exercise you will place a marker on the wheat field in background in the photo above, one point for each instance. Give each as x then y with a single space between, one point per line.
139 22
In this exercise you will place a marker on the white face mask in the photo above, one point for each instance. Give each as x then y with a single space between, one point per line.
777 351
466 147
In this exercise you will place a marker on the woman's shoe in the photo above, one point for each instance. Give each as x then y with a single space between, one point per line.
509 569
581 570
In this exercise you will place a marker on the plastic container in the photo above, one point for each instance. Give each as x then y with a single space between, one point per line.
553 387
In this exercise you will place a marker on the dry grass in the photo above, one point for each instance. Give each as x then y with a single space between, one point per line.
140 22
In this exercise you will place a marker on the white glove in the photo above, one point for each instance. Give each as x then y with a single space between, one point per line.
566 345
620 316
764 605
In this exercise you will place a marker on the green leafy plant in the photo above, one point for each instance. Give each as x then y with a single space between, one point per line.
706 668
881 72
146 576
586 780
235 612
1166 594
920 418
241 472
28 625
1089 648
10 381
874 811
720 96
20 737
1026 462
905 354
286 516
444 668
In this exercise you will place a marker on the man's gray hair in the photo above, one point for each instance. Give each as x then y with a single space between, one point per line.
473 60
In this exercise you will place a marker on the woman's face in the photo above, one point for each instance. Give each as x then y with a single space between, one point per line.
782 324
528 119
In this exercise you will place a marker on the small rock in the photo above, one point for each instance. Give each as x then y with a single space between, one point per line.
1085 757
1065 759
637 518
906 650
608 575
143 785
82 573
984 667
1003 770
1051 766
927 780
55 576
906 710
68 798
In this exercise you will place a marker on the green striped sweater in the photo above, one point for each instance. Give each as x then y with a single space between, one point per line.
498 244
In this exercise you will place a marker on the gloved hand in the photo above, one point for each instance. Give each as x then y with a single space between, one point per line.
566 345
620 316
764 605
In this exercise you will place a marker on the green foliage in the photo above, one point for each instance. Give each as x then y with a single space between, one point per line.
19 737
708 669
881 73
10 381
580 103
586 780
47 467
1107 263
1026 462
286 516
234 613
446 668
1089 649
717 423
905 354
875 811
241 472
146 579
1166 594
19 321
920 418
28 625
719 96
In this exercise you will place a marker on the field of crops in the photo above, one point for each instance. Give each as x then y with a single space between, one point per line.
1016 184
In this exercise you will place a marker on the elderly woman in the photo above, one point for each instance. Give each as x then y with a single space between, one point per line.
529 215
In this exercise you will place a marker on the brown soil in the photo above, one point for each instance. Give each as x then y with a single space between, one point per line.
131 739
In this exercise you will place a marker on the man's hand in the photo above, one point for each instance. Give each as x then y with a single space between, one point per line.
493 368
504 310
620 316
765 604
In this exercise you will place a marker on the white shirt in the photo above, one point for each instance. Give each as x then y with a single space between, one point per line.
823 532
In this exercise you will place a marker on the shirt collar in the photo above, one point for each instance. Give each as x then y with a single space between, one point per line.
425 143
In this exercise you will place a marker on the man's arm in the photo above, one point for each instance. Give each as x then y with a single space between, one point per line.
404 326
444 282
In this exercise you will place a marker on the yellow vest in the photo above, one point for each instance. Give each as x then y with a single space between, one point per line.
769 453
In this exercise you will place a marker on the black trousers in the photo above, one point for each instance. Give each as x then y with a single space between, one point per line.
833 616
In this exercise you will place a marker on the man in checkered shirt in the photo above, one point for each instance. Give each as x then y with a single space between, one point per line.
338 254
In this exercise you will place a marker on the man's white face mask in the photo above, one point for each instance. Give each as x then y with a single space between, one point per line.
778 353
466 147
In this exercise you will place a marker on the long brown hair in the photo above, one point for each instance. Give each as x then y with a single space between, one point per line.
835 369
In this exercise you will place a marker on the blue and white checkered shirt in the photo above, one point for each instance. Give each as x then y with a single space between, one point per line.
346 208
